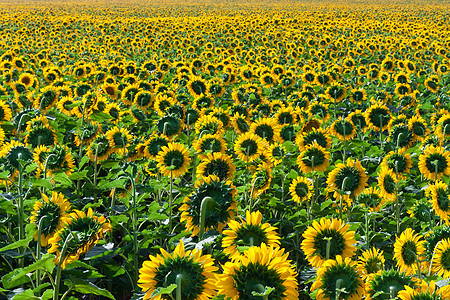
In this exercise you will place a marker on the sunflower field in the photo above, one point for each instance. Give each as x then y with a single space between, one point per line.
225 150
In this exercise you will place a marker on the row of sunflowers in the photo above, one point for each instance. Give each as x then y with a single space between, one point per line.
225 150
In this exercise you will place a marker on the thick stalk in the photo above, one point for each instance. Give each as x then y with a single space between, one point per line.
178 283
58 269
203 208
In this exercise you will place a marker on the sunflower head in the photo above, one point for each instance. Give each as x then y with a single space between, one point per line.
197 273
386 284
408 251
49 215
219 207
173 160
326 239
349 179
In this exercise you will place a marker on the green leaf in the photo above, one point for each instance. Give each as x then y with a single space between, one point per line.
118 183
85 287
48 294
292 174
326 204
4 175
42 182
26 295
83 161
79 175
63 179
163 291
7 206
18 244
267 291
17 276
100 117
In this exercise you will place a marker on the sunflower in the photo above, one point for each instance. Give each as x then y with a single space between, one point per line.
301 189
209 143
399 161
101 147
144 99
440 200
79 233
371 261
261 179
313 158
168 125
110 89
256 269
208 124
27 80
349 178
285 116
57 159
358 96
219 209
173 160
46 99
387 182
442 128
434 162
14 152
197 86
218 164
339 276
113 109
371 198
5 112
267 80
266 128
119 139
441 259
378 116
49 214
336 92
343 129
431 85
408 251
248 147
425 291
197 273
276 153
202 102
250 232
191 116
64 105
401 136
327 238
320 110
386 284
129 93
320 136
86 133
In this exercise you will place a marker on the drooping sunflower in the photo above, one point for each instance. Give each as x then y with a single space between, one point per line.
386 284
248 146
219 208
197 86
86 133
256 269
46 99
173 160
240 123
441 259
349 178
266 128
337 275
276 152
371 261
408 251
99 146
5 112
371 198
249 232
440 200
209 143
441 129
208 124
315 244
313 158
261 179
154 144
285 116
378 116
119 139
218 164
434 162
301 189
401 135
426 291
113 109
336 92
14 151
49 214
343 129
387 181
399 161
197 273
128 95
168 125
320 136
58 159
80 232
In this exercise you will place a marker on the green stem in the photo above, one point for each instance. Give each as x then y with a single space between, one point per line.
20 206
178 282
170 200
367 221
59 268
432 257
38 249
397 202
341 205
203 207
339 283
327 253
